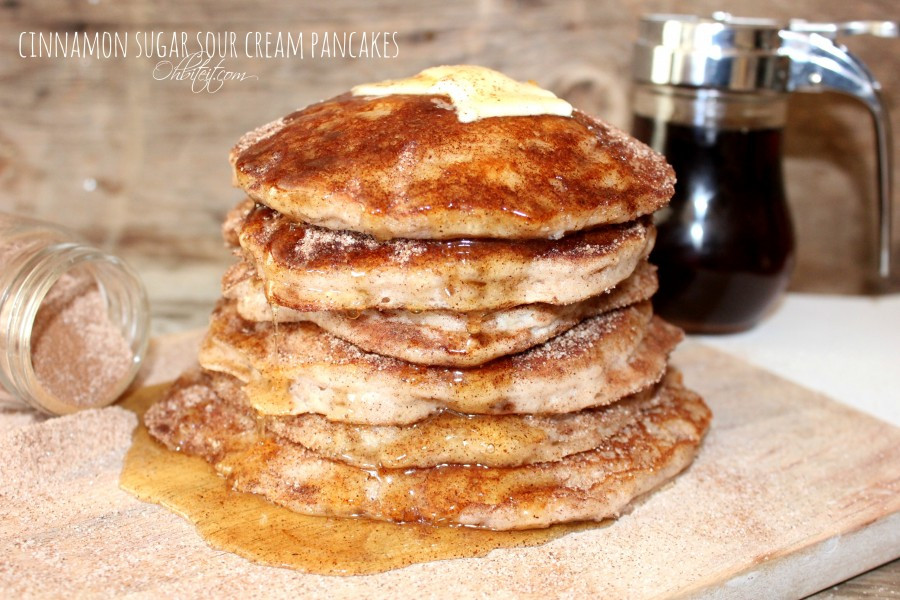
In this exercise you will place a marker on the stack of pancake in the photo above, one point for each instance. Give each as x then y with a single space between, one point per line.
440 319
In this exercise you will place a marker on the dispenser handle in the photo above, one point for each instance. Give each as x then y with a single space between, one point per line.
832 30
817 63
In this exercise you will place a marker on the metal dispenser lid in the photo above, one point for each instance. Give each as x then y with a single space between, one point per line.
723 52
728 52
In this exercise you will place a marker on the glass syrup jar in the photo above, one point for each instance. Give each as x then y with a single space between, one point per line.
711 95
34 256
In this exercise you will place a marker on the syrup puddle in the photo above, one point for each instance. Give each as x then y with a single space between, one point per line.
256 529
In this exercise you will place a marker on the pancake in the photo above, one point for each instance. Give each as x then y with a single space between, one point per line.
443 338
453 438
313 269
404 166
300 368
655 445
445 438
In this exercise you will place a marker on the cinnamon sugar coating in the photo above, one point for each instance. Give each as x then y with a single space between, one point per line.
658 441
403 166
303 369
312 268
441 337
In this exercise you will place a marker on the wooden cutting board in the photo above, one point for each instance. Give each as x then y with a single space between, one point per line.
791 493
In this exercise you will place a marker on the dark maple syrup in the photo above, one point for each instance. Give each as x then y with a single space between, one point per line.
254 528
725 245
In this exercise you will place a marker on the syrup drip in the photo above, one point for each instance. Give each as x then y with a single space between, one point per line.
475 322
274 308
252 527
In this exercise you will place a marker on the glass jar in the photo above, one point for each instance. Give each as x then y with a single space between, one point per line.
710 94
725 243
34 257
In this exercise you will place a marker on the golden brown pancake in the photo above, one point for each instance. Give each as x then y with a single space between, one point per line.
443 338
444 438
403 166
314 269
300 368
658 442
453 438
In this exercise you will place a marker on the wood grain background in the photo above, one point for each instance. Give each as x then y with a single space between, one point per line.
139 166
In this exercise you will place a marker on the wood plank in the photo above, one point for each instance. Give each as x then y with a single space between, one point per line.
878 583
791 492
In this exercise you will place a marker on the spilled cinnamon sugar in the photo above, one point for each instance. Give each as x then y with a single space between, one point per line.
78 353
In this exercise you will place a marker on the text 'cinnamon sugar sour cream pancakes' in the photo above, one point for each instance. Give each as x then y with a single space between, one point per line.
440 313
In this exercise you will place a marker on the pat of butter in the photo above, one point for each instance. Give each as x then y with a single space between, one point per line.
475 92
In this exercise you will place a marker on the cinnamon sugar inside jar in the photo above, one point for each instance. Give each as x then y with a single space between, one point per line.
74 321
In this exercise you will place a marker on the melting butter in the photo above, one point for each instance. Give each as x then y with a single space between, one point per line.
475 92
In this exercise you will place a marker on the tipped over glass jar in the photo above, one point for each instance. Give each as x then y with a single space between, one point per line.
74 321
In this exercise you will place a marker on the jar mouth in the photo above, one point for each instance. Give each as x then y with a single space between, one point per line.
126 308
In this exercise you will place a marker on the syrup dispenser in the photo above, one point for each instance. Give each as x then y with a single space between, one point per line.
711 94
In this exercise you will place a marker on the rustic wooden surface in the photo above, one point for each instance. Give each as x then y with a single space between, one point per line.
139 166
883 582
754 517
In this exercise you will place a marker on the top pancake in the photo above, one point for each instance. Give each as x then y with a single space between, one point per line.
405 166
